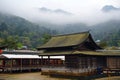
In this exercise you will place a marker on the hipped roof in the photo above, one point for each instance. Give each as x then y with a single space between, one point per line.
65 40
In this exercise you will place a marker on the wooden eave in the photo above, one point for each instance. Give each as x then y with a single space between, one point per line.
86 53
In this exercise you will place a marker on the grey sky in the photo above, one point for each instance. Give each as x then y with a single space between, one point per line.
85 10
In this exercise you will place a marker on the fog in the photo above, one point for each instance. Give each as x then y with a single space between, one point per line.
83 11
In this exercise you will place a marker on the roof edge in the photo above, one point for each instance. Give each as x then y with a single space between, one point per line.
87 32
72 33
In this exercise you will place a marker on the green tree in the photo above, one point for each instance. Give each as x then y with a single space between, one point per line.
45 38
3 26
103 44
10 42
19 45
26 41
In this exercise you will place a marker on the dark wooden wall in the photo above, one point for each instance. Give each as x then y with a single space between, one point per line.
113 62
82 62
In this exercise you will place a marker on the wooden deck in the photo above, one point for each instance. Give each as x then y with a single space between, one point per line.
62 71
112 70
19 69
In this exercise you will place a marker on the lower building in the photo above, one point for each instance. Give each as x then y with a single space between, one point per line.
23 60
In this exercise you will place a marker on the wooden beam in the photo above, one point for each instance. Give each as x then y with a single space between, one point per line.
48 60
11 65
21 65
41 60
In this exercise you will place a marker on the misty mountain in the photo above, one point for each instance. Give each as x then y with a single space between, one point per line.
73 28
109 8
29 34
67 28
57 11
108 32
106 28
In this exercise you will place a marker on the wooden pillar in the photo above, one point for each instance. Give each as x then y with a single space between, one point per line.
48 60
11 65
30 63
38 64
3 65
30 66
21 65
41 60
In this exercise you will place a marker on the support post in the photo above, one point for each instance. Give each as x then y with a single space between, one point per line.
48 60
11 65
3 65
38 65
30 66
41 60
21 65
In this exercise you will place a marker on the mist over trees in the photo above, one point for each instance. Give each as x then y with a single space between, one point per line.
16 32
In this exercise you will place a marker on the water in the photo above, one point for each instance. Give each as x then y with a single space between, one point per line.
28 76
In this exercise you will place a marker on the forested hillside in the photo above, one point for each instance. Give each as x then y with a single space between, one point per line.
16 32
108 32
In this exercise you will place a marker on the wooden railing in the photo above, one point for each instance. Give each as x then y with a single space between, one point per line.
111 70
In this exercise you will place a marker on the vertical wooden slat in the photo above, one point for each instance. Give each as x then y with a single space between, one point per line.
48 60
112 62
41 60
11 65
21 65
30 65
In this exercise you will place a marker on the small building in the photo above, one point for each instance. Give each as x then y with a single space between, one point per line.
81 53
21 60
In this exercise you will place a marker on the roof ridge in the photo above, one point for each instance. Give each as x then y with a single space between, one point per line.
71 33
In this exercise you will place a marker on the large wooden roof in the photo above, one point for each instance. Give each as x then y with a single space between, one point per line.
56 46
66 40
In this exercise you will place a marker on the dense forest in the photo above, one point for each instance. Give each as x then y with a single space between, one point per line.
16 32
108 32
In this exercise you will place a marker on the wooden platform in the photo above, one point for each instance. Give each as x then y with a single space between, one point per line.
67 73
19 69
112 70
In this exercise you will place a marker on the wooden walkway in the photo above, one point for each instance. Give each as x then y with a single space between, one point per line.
19 69
67 72
62 71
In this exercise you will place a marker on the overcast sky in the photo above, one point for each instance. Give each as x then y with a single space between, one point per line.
84 10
